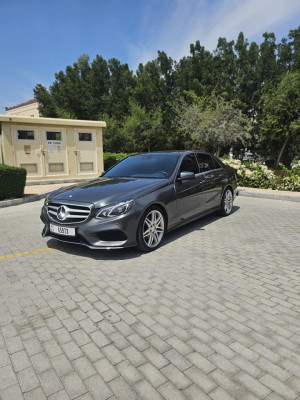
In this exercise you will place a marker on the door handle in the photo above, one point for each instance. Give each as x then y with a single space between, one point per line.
209 176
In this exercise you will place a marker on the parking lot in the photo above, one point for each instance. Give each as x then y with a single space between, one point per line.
214 313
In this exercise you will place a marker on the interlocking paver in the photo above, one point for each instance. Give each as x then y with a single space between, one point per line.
98 388
279 387
35 394
106 370
253 385
129 372
201 379
170 392
41 362
11 393
147 391
62 365
74 385
27 379
50 382
122 390
152 374
214 313
176 376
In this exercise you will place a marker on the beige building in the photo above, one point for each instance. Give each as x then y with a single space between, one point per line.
51 148
28 109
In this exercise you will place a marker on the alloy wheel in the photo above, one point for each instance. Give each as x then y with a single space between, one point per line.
228 202
153 228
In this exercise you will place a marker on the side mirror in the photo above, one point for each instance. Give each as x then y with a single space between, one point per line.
186 176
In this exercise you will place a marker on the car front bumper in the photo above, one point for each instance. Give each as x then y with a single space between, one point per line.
111 233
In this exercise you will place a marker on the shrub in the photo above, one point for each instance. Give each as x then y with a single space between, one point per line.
112 158
12 181
256 175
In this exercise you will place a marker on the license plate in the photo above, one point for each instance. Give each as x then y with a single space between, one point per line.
61 230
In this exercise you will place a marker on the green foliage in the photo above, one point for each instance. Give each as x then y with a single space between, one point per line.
217 127
257 175
281 112
111 159
254 84
143 128
12 181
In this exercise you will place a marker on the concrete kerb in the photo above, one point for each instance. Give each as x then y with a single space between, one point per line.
28 198
266 194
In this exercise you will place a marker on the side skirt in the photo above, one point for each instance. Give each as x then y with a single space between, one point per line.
191 219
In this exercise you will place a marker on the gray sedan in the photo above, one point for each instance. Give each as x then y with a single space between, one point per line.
139 200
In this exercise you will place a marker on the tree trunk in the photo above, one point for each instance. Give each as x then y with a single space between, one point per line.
282 150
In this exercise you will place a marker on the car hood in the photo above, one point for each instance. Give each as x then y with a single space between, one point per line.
104 191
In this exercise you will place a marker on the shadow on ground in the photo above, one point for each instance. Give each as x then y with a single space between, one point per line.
132 252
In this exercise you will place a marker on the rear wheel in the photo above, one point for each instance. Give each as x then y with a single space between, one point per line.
227 203
151 229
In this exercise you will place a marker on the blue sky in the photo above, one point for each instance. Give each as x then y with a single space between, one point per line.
42 37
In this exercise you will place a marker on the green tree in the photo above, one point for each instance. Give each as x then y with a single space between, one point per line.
216 128
225 69
122 83
281 113
47 107
144 128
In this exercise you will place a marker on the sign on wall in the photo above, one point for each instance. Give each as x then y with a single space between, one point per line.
54 145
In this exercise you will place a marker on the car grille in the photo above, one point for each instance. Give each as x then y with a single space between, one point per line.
74 214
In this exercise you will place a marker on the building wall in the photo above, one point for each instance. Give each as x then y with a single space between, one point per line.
56 149
29 110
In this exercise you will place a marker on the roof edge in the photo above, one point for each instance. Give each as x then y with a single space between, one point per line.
51 121
26 103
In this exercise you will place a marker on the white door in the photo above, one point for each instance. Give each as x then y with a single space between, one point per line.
54 147
86 152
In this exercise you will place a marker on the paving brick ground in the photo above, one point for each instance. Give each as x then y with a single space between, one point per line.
213 314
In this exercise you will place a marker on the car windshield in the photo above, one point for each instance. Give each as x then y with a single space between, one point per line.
158 166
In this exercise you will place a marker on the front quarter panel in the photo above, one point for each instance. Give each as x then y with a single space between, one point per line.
165 197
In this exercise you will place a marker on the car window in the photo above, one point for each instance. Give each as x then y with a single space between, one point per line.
206 162
189 163
217 164
158 166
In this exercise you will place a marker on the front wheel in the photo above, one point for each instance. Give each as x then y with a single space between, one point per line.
151 229
227 203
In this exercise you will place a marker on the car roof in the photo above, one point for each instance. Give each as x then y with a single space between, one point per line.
175 152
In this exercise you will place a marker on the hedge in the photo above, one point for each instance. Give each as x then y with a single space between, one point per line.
112 158
12 181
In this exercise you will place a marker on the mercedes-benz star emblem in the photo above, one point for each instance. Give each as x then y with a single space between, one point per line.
62 213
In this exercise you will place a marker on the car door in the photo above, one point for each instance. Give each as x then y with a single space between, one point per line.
215 179
190 194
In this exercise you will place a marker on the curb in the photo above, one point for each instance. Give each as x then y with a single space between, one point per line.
26 199
266 195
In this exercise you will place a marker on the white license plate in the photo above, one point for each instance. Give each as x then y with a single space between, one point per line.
61 230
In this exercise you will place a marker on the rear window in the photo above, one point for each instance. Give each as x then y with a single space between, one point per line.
206 162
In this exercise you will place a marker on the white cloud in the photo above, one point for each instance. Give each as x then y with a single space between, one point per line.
206 20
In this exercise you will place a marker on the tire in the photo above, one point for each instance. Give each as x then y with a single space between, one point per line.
151 229
226 203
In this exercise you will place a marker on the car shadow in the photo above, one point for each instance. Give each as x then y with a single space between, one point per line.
131 252
197 225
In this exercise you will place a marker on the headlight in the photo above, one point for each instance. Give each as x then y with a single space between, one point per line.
115 210
46 201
